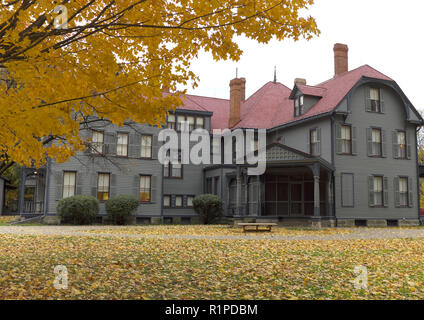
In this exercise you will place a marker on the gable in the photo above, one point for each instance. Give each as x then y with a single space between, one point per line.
280 152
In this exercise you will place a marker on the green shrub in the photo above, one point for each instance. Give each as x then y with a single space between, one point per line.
120 208
78 209
208 207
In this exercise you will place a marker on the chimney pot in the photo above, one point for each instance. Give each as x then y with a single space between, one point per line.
300 81
237 96
341 61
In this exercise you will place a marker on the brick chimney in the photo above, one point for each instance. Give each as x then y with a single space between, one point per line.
237 96
300 81
341 64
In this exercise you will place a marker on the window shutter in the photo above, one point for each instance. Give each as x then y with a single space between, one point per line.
155 147
173 201
319 140
185 201
354 141
371 191
134 145
369 142
93 185
383 143
410 194
58 179
408 145
137 145
395 145
136 186
382 105
153 187
396 189
113 185
386 191
338 138
79 183
367 99
308 146
110 143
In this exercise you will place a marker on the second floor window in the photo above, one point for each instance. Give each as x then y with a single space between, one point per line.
145 188
376 142
346 139
122 144
400 145
69 178
314 138
173 169
103 183
97 141
146 146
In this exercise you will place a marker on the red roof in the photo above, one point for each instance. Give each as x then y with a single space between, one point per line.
270 106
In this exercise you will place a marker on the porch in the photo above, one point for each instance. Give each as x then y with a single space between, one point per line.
32 191
294 187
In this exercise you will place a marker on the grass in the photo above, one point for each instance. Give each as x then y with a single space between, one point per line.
129 268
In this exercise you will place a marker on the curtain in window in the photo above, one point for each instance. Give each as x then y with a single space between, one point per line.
145 183
68 184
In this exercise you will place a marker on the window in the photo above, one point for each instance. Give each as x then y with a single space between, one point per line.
180 120
298 106
171 121
401 145
403 192
347 180
122 145
375 100
346 139
178 201
103 186
200 123
167 201
69 178
146 146
378 191
190 201
190 120
97 141
314 142
376 142
173 169
145 188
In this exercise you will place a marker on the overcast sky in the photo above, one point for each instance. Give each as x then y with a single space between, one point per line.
386 34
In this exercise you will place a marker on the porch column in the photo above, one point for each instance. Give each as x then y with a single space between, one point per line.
330 194
246 194
22 191
238 193
316 172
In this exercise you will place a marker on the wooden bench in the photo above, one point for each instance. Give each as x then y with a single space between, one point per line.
257 226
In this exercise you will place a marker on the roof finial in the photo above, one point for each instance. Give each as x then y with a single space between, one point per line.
275 74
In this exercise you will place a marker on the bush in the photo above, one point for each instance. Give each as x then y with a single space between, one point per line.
120 208
78 209
208 207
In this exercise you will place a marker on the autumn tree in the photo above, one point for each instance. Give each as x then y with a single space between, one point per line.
64 61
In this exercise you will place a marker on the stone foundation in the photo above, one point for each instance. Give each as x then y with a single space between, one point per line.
51 220
408 223
345 223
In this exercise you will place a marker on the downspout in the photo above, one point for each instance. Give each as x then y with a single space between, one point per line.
418 174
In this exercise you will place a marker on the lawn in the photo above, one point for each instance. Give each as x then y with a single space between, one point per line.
129 268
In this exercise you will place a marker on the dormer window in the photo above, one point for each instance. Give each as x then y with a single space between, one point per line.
375 101
298 106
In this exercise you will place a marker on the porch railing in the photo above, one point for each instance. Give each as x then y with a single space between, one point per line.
33 206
